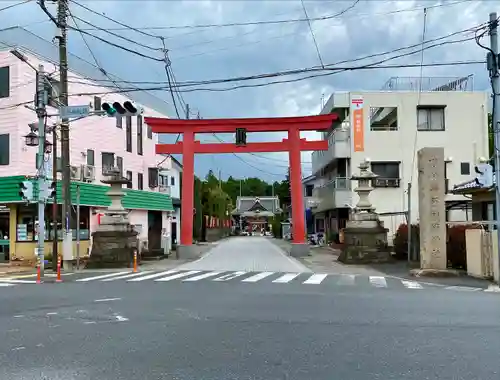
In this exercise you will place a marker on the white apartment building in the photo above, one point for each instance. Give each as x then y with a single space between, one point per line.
170 180
388 128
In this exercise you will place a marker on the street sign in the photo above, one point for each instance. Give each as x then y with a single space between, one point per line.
67 112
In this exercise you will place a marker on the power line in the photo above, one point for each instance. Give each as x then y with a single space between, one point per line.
270 22
14 5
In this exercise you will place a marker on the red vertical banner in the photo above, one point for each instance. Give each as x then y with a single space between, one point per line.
358 123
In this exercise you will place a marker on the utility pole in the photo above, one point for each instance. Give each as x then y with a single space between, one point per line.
65 158
187 112
41 98
55 238
494 68
408 220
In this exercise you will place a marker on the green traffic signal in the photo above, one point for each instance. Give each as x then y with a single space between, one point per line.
111 111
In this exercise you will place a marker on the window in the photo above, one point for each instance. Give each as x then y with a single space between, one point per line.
128 132
430 119
119 122
153 177
150 132
90 157
140 181
97 103
172 181
383 118
4 82
5 149
108 162
119 164
129 177
139 135
465 168
309 190
388 174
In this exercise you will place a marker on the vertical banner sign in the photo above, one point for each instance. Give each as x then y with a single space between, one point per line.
358 123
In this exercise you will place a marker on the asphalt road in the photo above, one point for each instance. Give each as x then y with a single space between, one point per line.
247 253
220 330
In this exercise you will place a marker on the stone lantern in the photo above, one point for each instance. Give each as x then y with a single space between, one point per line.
365 238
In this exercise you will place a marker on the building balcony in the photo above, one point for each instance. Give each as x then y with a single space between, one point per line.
339 146
334 194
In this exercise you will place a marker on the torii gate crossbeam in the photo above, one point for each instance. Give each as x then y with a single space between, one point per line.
294 145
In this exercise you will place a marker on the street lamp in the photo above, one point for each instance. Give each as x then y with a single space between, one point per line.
32 139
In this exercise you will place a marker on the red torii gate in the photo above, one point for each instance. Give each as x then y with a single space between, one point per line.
293 145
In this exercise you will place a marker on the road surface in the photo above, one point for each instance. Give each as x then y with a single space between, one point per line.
247 253
236 330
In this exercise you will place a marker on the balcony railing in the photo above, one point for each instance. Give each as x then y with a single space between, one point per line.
333 194
386 182
339 146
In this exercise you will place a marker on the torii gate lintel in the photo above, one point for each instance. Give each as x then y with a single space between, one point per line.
188 147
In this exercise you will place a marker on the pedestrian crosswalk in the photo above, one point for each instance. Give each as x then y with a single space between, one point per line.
308 280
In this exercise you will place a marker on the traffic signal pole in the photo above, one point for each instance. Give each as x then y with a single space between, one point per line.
65 151
494 66
40 110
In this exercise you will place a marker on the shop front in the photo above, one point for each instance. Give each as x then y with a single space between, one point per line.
19 221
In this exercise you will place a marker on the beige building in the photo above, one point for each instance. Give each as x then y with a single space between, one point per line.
388 128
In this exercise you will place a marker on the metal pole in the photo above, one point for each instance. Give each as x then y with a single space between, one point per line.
409 223
77 226
55 240
495 84
65 154
41 97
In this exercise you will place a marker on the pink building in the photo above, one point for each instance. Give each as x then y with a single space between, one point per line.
95 141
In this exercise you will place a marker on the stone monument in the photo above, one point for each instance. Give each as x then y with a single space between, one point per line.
431 208
114 241
365 238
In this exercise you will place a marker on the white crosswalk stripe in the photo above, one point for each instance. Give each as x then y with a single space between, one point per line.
153 275
315 279
378 281
286 278
102 276
258 277
411 284
203 276
130 275
229 276
178 275
5 284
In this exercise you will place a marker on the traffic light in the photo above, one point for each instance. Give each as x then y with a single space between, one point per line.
48 190
241 136
118 110
484 177
26 190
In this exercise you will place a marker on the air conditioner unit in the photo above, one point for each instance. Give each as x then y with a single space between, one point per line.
76 172
88 173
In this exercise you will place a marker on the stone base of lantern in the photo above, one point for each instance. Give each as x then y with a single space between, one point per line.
113 248
365 241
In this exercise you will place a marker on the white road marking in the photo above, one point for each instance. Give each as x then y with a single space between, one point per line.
178 275
101 276
378 281
107 299
130 275
463 288
286 278
229 276
52 313
153 275
411 284
119 318
18 316
90 323
257 277
5 284
14 281
203 276
346 279
315 279
19 348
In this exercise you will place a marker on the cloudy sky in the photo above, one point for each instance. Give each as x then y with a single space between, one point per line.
202 46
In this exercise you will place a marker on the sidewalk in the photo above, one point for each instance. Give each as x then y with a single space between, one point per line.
7 270
324 260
